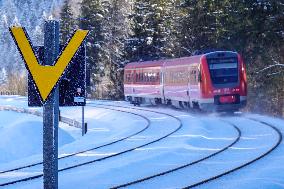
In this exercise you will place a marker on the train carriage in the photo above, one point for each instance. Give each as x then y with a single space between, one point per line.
142 81
210 81
181 80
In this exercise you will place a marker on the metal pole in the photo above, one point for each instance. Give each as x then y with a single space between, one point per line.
83 121
51 110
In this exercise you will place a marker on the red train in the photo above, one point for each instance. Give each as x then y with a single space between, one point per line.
214 81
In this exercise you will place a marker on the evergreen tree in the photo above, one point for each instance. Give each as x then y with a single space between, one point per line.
91 18
197 26
151 27
67 22
116 31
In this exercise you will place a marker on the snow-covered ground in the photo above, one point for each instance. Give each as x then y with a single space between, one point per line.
189 137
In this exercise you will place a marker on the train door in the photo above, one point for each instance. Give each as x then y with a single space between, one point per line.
188 83
193 83
132 81
162 84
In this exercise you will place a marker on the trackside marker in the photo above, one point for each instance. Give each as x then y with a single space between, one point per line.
46 77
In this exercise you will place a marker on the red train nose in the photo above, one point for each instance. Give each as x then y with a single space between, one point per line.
227 99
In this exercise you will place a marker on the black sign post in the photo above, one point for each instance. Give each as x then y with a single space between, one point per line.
51 110
46 71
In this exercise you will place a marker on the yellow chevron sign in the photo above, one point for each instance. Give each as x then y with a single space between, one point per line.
46 77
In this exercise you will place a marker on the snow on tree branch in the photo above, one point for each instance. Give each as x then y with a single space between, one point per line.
276 64
270 67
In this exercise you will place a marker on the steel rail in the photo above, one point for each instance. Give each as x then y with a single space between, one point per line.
185 165
278 142
210 156
94 148
107 157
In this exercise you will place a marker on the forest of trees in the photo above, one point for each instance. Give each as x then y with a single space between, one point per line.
31 15
122 31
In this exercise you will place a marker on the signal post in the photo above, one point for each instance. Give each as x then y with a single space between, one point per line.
51 110
45 76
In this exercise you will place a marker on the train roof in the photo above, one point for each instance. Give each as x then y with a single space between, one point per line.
155 63
183 60
160 63
173 61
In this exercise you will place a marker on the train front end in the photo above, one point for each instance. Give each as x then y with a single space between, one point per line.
223 82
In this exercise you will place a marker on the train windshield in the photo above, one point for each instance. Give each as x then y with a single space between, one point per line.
223 70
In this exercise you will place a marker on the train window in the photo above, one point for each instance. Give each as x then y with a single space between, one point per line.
141 77
151 77
136 77
127 77
130 77
223 70
157 77
193 76
146 77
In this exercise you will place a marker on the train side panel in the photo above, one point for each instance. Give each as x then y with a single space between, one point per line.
147 83
143 81
181 80
176 82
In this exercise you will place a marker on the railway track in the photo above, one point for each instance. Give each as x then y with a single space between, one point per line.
279 140
108 144
183 166
83 151
273 147
180 168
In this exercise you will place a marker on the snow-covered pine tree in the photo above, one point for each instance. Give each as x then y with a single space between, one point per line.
91 18
67 22
151 26
116 29
198 27
167 17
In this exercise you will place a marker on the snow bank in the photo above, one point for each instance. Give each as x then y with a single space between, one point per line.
21 136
